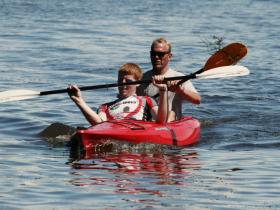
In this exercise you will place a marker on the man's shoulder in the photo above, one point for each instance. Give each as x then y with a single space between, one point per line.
148 74
172 72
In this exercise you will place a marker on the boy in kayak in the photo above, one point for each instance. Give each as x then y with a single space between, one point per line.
160 55
128 105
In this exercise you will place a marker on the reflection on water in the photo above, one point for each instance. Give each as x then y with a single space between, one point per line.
168 168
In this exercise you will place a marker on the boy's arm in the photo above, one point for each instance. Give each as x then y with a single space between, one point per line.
162 113
76 96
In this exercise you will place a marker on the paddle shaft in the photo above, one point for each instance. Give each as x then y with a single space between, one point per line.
226 56
94 87
223 57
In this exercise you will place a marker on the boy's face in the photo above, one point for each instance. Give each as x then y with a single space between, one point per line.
127 90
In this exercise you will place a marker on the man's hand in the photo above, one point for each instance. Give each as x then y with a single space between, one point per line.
173 86
158 81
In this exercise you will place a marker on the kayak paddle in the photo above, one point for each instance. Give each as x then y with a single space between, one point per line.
229 55
220 72
217 66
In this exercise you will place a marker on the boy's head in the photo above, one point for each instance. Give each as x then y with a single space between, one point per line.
128 72
131 69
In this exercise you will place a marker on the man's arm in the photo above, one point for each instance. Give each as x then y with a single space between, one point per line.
188 95
184 92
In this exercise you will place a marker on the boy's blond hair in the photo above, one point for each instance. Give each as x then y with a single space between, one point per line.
131 69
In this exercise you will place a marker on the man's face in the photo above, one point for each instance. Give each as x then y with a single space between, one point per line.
160 57
127 90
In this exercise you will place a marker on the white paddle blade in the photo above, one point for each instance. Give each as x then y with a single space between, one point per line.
16 95
224 71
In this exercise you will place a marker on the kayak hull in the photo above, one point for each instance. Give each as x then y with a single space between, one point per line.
183 132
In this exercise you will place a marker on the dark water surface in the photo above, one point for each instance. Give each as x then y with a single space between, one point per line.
46 45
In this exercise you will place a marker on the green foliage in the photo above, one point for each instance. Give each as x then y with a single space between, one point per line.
214 44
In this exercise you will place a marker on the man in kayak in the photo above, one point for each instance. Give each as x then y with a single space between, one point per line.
160 55
128 105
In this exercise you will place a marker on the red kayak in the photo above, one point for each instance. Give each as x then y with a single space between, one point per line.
179 133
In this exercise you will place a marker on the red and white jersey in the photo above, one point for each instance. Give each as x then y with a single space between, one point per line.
133 107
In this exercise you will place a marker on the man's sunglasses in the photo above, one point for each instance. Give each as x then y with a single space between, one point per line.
159 54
